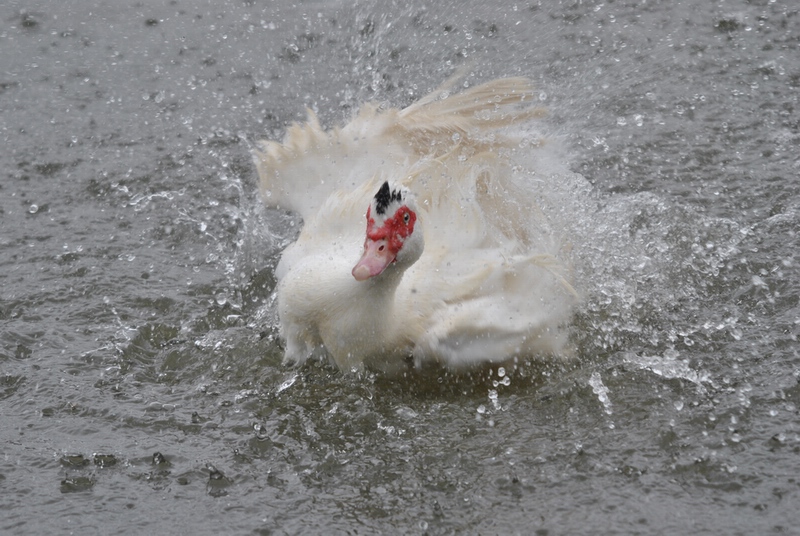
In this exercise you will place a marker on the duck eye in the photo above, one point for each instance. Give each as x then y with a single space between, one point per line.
406 217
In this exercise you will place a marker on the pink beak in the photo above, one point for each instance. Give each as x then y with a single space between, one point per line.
374 261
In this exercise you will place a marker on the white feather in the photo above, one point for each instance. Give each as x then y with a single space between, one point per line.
487 287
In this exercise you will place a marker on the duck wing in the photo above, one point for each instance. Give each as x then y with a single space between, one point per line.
302 171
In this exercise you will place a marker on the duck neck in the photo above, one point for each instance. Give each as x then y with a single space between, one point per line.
383 287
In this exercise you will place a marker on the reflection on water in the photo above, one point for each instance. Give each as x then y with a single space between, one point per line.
139 362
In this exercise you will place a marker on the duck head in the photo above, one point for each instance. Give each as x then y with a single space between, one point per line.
393 238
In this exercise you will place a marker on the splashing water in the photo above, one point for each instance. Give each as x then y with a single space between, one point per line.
599 389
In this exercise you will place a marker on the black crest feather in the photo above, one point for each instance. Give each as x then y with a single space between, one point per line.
385 197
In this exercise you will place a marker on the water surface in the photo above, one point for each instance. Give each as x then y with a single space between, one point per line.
141 385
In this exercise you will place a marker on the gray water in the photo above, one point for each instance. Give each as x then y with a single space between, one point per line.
141 385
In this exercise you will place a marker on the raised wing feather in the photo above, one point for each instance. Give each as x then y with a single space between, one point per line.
300 172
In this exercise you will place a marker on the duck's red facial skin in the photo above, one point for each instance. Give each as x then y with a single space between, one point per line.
384 243
395 229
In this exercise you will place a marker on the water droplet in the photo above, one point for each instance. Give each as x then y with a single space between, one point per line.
493 398
286 384
260 431
214 473
596 382
105 460
33 209
221 297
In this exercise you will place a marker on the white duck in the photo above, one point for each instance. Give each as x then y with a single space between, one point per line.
483 285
